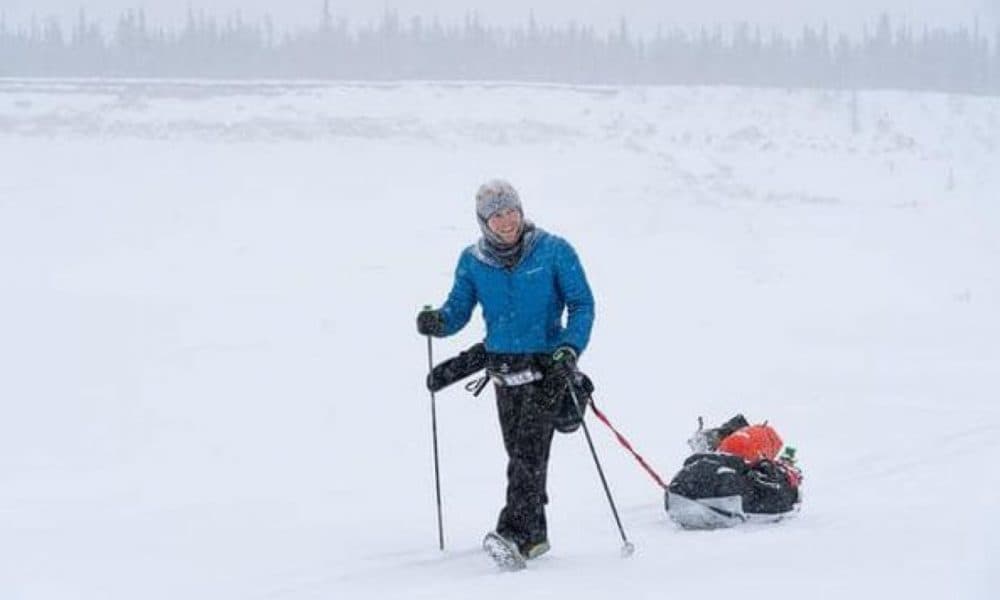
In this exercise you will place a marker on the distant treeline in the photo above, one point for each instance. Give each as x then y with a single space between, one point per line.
951 60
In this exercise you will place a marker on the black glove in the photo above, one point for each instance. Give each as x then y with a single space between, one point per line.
430 322
564 361
560 371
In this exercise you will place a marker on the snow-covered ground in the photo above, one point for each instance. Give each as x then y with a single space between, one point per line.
211 386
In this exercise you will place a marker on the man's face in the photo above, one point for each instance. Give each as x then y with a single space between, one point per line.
506 223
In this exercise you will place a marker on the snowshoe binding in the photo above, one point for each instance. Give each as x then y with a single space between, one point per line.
530 551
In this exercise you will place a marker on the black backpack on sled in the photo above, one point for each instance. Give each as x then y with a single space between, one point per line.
715 490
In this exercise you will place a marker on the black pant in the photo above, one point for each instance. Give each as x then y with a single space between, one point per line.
526 414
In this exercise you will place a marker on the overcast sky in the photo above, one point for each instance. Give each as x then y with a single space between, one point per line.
643 15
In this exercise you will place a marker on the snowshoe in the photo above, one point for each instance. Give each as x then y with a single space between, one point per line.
503 552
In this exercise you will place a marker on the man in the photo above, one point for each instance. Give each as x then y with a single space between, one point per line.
525 279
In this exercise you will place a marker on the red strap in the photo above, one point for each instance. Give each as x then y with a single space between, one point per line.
628 446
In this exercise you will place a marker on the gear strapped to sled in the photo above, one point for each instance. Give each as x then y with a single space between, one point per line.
737 478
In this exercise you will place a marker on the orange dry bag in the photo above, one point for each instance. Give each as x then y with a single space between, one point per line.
753 443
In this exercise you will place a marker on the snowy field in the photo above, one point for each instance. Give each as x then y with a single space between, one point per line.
212 388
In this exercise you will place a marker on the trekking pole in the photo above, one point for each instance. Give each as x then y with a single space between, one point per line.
627 548
434 432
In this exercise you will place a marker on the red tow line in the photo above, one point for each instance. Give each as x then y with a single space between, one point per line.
625 443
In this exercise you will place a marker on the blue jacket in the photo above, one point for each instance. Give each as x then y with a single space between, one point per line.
523 306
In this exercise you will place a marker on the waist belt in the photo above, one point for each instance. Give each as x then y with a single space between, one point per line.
516 378
507 371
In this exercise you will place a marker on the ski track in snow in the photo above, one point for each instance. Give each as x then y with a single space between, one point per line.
213 388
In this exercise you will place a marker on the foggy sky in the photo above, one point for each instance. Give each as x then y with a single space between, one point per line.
848 16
